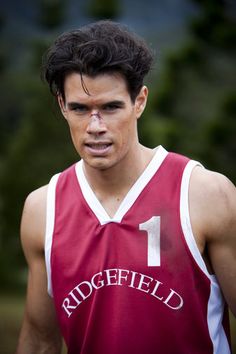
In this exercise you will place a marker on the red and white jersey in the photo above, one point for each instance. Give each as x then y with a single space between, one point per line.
135 283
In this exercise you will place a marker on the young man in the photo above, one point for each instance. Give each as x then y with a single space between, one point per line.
131 250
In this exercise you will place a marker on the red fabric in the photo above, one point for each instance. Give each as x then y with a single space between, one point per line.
133 315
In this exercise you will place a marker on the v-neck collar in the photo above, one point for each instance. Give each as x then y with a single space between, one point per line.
130 197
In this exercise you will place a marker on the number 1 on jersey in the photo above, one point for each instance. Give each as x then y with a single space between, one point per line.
153 228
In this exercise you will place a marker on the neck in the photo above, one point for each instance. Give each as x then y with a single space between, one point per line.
111 185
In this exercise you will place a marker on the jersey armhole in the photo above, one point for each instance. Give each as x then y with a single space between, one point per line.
50 220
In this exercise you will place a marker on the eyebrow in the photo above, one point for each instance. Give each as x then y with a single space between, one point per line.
72 105
116 103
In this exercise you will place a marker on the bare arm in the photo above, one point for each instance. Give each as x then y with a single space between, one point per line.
213 214
39 332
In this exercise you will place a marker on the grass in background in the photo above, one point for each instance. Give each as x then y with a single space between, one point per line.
11 313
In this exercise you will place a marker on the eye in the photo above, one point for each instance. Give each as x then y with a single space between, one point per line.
111 107
78 108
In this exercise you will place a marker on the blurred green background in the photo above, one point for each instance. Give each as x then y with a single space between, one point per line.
191 108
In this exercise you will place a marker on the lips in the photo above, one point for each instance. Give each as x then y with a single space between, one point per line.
98 148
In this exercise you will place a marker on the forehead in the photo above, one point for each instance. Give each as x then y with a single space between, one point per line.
103 87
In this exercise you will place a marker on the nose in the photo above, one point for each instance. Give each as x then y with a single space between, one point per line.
96 124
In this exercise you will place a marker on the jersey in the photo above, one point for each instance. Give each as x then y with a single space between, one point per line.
135 283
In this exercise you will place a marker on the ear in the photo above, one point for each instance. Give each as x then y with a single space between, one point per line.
140 101
62 106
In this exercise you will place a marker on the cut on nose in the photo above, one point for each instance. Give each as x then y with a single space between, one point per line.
96 115
96 124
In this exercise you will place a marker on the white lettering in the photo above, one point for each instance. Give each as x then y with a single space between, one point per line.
100 283
142 282
74 297
153 293
82 293
66 305
179 298
109 276
153 228
132 279
120 276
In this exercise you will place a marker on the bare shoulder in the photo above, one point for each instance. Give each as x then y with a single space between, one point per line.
33 221
213 202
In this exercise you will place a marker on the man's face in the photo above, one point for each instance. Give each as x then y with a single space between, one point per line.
103 120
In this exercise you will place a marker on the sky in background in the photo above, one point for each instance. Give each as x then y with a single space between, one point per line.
150 14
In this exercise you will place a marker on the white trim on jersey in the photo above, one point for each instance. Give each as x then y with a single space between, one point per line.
215 302
185 218
131 196
50 219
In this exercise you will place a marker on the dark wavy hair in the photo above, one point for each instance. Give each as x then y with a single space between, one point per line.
98 48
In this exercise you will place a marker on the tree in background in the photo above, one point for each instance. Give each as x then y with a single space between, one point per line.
102 9
197 91
191 111
36 145
51 13
36 141
220 138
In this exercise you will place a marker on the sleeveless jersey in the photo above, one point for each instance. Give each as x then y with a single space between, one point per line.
135 283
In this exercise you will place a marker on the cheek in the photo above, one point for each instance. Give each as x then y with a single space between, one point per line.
126 134
76 132
128 127
76 126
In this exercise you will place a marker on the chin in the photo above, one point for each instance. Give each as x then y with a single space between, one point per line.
99 163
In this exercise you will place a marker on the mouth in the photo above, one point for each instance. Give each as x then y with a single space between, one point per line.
98 149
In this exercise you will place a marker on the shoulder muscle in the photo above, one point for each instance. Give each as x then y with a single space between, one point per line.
213 202
213 212
33 222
